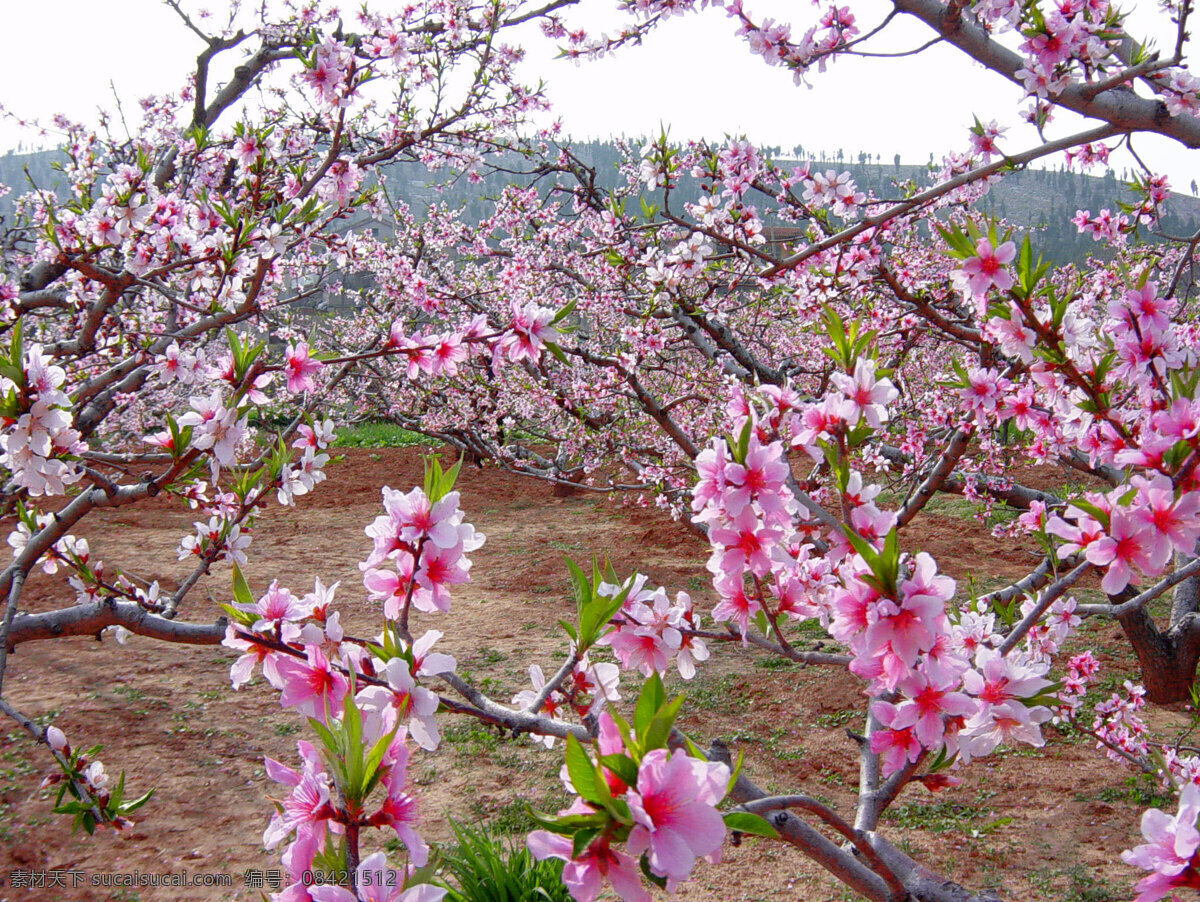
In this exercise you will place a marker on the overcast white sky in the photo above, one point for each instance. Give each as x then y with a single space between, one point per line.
695 76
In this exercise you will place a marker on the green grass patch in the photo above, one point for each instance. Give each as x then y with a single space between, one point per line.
482 867
377 434
937 817
1075 884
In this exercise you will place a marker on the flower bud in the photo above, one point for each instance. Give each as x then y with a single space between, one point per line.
56 739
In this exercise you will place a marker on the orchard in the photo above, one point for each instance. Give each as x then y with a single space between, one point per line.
792 365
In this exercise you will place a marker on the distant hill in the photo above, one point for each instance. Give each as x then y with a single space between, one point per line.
1044 200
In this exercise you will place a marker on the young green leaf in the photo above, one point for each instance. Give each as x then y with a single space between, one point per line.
745 822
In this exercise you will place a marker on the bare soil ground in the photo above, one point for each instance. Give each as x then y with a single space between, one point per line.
1028 824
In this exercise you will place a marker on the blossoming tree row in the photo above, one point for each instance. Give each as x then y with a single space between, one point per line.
794 365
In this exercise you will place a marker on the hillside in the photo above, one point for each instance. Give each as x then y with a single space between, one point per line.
1044 200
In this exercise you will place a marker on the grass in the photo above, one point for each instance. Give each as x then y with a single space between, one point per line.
378 434
720 695
1142 790
937 817
509 818
1075 884
835 719
471 737
482 867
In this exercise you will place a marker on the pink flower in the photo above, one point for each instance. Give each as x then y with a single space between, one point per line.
866 397
639 648
300 369
402 699
674 811
378 883
399 809
583 876
760 479
528 333
895 748
925 706
1128 544
735 604
313 687
1175 524
1170 855
308 806
275 608
243 668
999 679
987 268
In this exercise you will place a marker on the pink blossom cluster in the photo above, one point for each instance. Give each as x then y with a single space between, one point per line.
748 510
1118 727
1081 670
314 813
88 775
1171 852
822 42
651 630
305 654
425 546
215 427
1065 43
984 137
586 691
675 822
527 333
431 355
33 445
685 260
833 190
1104 226
301 477
1140 533
855 397
1088 155
218 539
988 268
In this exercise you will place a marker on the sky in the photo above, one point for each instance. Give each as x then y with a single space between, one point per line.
694 77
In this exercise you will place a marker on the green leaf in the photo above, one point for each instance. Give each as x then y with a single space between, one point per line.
745 822
244 618
567 824
660 725
734 773
449 478
433 476
564 312
743 442
328 739
569 630
581 590
660 882
623 766
627 737
137 803
114 799
241 589
582 772
652 697
582 839
371 772
17 356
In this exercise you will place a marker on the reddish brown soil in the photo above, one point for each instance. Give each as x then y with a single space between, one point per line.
1043 825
